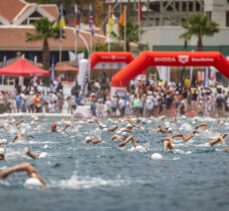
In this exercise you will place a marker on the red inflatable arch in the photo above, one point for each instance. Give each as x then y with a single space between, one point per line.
158 58
97 57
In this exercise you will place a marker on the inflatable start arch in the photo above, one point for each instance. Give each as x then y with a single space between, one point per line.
97 57
157 58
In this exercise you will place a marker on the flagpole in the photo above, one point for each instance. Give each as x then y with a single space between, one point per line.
108 28
139 20
125 28
60 36
76 32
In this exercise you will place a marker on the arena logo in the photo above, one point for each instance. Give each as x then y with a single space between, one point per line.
164 59
203 59
183 59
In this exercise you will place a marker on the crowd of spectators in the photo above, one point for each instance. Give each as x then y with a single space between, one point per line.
141 98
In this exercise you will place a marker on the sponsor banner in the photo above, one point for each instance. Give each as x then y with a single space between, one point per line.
202 59
109 65
168 59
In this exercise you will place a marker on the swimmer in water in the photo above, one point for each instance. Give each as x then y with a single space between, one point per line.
3 127
90 140
185 137
3 143
218 139
168 144
121 137
219 123
162 130
27 167
133 141
203 125
53 128
18 138
31 154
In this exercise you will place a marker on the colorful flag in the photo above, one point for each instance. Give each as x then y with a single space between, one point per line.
77 19
140 14
91 21
122 20
60 22
110 23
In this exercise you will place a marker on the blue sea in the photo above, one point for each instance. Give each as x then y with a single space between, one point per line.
105 177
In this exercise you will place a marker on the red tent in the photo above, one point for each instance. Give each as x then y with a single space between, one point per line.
23 68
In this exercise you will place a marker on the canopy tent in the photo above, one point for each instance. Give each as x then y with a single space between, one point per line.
23 68
65 68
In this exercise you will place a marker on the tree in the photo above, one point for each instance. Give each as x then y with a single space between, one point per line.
199 26
131 33
44 31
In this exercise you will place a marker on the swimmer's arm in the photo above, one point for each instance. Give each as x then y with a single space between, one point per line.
65 128
18 123
178 135
32 154
97 141
122 144
15 138
112 129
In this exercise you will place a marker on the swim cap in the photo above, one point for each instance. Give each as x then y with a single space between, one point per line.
129 125
88 138
2 151
124 133
33 182
3 141
53 125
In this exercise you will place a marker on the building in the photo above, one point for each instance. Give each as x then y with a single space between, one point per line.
16 18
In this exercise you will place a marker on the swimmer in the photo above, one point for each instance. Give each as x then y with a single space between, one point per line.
3 127
53 128
18 138
121 137
184 137
132 125
27 167
2 153
219 123
203 125
113 128
90 140
3 143
168 144
218 139
31 154
133 141
163 130
226 149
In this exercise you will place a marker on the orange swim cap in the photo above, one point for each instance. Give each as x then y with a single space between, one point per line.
53 125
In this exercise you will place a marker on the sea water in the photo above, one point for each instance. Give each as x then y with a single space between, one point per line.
105 177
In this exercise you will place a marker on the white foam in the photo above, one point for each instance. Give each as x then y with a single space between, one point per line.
176 158
76 182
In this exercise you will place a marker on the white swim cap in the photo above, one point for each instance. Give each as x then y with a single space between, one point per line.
33 182
88 138
124 133
156 156
2 151
129 125
3 141
170 129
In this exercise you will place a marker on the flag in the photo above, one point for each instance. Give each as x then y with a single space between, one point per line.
91 20
60 22
140 14
122 20
110 23
77 19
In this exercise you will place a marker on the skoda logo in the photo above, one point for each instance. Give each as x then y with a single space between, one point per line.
183 59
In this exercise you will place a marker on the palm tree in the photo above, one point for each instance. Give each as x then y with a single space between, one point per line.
199 26
44 31
131 33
